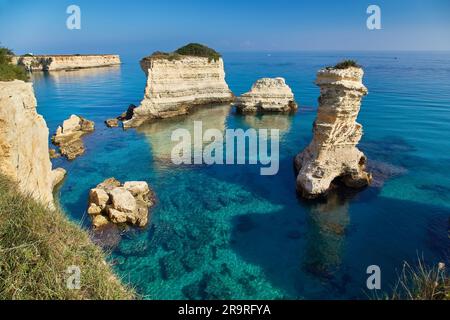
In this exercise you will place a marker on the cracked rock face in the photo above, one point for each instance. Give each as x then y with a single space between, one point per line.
113 202
267 95
333 153
24 152
68 136
176 86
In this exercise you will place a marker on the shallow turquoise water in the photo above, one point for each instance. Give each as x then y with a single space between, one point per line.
226 231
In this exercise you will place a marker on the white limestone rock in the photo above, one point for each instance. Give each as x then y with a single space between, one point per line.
267 95
174 86
24 152
333 153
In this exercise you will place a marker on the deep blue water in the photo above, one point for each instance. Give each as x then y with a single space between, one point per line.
226 231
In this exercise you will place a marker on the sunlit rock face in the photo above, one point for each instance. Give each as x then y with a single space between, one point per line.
24 152
68 136
267 95
176 86
333 153
65 62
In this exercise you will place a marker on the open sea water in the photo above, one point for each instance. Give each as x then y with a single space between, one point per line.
226 232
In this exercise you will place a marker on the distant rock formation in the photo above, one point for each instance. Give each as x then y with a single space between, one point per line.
68 136
113 202
24 152
65 62
112 123
175 85
267 95
333 153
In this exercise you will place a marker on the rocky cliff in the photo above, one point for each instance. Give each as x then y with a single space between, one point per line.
333 153
24 153
267 95
174 86
65 62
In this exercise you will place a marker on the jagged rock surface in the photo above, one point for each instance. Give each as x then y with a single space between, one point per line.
333 153
24 152
113 202
267 95
175 86
65 62
68 136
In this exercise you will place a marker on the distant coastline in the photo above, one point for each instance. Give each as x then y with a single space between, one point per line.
61 62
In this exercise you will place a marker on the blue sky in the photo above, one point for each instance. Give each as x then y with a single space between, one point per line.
39 26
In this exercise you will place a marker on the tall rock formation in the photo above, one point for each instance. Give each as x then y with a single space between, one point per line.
333 153
65 62
24 153
177 84
267 95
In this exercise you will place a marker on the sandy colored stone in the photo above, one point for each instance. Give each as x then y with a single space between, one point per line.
94 209
112 123
176 86
137 187
267 95
129 203
58 176
100 221
117 216
99 197
68 136
333 153
122 200
24 151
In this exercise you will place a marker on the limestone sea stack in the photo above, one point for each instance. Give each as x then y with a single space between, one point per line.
65 62
267 95
113 202
68 136
177 82
333 153
24 152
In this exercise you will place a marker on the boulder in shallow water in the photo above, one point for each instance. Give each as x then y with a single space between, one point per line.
112 123
68 136
117 203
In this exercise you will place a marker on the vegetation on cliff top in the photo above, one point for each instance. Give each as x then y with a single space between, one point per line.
8 71
345 64
192 49
38 245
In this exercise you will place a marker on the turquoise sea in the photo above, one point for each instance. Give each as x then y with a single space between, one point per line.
228 232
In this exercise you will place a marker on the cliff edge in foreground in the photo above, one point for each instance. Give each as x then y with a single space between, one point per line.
333 153
179 81
24 155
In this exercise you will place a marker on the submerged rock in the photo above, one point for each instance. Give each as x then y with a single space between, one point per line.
112 123
333 153
68 136
112 202
267 95
176 83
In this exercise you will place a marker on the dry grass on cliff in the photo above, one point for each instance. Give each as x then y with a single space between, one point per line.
422 283
37 246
